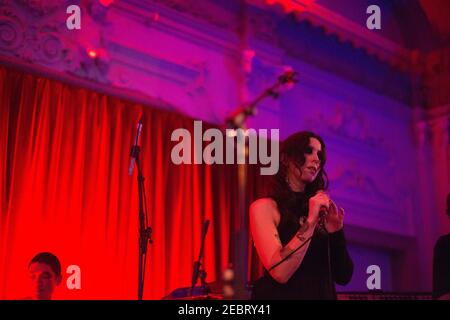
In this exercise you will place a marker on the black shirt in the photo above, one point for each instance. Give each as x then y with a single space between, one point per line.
441 267
325 263
312 279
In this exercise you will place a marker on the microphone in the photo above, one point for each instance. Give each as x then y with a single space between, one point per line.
321 222
323 212
135 148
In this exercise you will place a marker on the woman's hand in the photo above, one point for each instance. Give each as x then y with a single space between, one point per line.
316 203
334 220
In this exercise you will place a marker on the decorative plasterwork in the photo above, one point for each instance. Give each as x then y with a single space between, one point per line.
352 178
345 29
204 10
162 68
32 42
36 32
344 121
39 8
262 26
175 18
361 188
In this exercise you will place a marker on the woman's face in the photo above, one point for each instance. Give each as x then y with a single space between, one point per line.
313 159
308 172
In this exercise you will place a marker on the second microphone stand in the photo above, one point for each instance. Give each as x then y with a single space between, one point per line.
199 272
144 230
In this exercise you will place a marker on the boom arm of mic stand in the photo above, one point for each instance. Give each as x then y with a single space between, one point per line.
237 118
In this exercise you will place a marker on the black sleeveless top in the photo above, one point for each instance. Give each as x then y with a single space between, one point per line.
441 267
326 262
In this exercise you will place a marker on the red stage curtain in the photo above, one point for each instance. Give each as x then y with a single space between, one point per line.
64 188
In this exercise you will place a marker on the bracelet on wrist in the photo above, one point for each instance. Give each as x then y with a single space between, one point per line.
304 226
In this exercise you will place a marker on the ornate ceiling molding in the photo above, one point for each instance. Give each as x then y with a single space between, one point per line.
131 59
35 32
39 8
346 30
183 20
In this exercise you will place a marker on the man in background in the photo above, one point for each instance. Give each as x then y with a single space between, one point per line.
441 265
45 274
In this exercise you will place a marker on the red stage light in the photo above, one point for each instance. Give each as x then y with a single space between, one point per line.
292 5
92 53
106 2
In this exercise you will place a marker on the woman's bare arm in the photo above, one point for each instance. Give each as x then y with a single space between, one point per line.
264 218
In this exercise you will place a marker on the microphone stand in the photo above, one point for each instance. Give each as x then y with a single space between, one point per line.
240 239
144 230
198 270
237 119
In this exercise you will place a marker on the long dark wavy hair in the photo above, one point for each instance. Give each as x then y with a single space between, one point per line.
292 204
